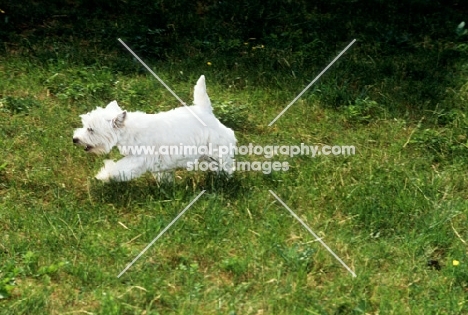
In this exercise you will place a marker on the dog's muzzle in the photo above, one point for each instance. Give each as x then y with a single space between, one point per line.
78 142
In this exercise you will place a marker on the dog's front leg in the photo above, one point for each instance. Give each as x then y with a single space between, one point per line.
126 169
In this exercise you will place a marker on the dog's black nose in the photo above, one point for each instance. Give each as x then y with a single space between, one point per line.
76 140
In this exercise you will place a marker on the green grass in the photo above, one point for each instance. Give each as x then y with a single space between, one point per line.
395 212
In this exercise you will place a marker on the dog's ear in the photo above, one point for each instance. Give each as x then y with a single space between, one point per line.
119 120
113 106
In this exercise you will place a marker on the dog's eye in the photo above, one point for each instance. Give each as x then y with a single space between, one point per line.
90 130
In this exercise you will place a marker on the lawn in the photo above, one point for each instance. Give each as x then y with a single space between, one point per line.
395 212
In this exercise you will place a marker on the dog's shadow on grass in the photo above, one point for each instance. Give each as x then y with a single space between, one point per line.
147 189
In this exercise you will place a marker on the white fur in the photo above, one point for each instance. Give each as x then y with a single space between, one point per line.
104 128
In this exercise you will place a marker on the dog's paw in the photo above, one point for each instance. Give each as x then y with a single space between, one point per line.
105 172
103 175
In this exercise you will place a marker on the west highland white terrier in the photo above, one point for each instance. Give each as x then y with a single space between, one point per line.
142 137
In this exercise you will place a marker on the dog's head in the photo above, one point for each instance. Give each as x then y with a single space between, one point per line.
101 128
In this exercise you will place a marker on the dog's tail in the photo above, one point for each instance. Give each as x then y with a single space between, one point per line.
200 97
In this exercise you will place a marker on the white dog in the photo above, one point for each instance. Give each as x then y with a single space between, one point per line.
142 137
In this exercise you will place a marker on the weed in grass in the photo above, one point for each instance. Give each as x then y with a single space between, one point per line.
296 258
233 115
7 283
18 105
80 84
363 111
